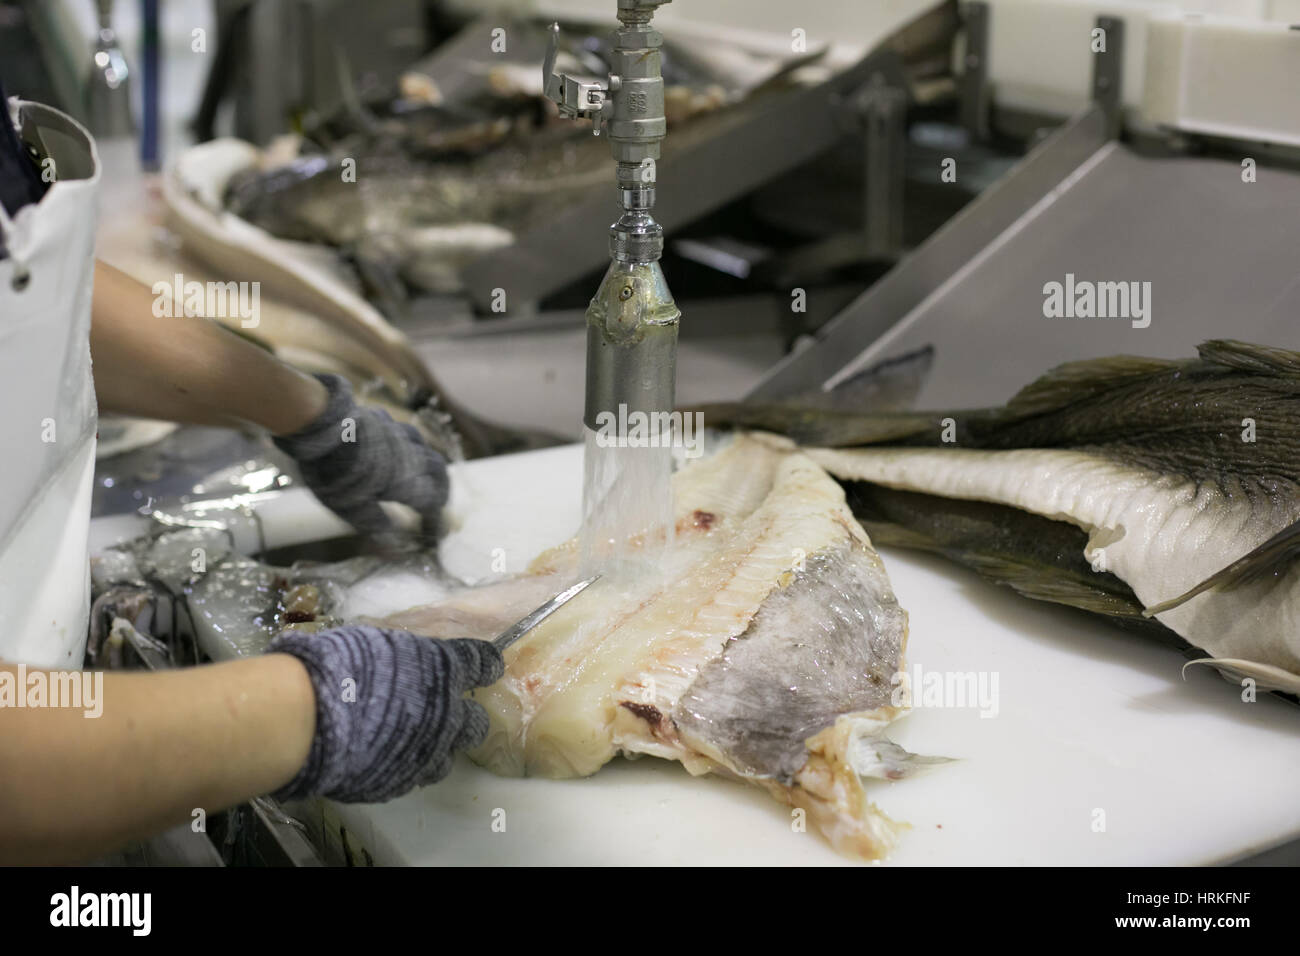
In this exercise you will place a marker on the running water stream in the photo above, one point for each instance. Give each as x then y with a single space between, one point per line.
627 507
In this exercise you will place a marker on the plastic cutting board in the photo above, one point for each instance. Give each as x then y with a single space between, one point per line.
1101 752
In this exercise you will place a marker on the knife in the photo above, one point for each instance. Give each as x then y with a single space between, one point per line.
533 618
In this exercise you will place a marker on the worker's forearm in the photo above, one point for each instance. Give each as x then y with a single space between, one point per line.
188 369
72 787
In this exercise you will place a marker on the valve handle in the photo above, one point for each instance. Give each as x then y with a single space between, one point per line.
574 97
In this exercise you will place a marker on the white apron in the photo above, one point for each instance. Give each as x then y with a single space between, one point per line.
47 403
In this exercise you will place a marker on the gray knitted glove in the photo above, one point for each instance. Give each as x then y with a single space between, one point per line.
390 709
354 457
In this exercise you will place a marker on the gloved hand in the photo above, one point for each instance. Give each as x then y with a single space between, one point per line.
390 709
354 457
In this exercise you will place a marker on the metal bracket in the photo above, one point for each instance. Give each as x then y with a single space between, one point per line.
877 109
752 146
975 90
1108 74
885 113
843 340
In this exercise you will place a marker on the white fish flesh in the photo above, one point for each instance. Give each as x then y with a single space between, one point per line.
766 650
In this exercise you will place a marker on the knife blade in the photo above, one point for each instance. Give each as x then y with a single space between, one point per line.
533 618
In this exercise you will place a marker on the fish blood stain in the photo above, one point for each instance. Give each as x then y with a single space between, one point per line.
627 508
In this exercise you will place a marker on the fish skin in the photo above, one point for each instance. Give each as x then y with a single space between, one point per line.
308 200
1148 458
430 132
1159 533
1037 557
766 695
765 654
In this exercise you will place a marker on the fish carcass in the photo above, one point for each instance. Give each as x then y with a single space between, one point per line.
307 315
1145 490
468 152
767 650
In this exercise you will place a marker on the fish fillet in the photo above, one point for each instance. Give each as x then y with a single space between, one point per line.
765 650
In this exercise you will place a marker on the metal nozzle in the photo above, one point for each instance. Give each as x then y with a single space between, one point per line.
632 321
631 345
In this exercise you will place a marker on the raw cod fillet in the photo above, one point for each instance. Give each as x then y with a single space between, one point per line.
766 652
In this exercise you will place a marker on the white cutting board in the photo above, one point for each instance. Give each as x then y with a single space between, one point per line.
1090 719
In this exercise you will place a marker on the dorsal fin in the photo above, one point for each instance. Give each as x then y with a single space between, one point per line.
815 426
889 385
1077 381
1248 357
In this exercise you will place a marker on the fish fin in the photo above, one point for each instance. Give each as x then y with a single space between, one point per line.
1037 557
1248 357
898 536
1077 381
153 652
1056 587
866 408
375 259
1268 558
1031 580
815 426
1267 677
879 757
834 427
830 786
889 385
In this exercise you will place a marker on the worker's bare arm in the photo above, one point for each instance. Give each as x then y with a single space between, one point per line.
72 787
188 369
